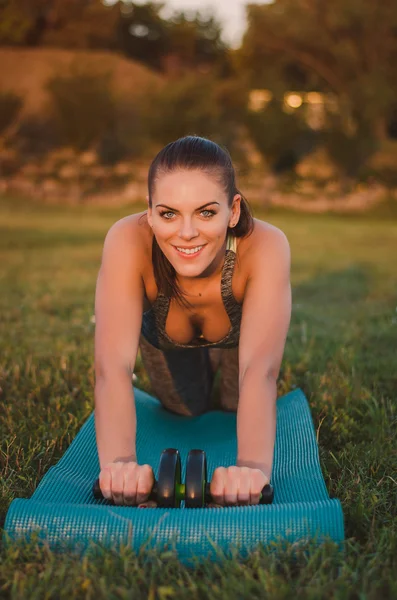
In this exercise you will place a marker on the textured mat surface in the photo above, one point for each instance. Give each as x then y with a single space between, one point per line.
64 511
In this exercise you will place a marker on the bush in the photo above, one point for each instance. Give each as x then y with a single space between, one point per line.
84 106
36 134
350 153
197 105
10 106
282 138
126 137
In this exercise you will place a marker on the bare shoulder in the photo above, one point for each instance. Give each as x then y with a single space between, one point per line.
266 250
265 239
129 231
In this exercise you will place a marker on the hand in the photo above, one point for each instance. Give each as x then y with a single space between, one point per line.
238 486
127 483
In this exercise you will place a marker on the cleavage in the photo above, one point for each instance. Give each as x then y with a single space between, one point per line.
210 316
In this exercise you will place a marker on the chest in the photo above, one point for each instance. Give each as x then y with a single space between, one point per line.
207 317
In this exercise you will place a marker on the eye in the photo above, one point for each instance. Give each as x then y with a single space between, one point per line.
210 213
167 212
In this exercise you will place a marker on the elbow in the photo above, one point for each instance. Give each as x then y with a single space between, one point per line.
268 374
105 372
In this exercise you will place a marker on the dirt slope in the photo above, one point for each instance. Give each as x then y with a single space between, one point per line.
25 71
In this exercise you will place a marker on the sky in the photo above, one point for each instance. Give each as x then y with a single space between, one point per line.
230 13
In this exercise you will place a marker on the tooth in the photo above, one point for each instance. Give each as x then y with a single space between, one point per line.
192 251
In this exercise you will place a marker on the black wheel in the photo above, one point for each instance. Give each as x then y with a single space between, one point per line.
267 495
196 478
169 479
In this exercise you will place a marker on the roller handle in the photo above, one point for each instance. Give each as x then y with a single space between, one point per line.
97 492
266 497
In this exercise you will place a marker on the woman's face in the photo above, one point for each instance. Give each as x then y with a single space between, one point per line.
190 211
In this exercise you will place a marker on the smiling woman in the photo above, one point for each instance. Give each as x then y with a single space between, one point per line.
196 283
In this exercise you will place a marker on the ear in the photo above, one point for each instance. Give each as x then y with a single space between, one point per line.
235 216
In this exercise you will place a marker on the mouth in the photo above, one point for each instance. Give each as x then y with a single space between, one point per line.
190 253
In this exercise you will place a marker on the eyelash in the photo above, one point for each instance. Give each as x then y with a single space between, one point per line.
166 212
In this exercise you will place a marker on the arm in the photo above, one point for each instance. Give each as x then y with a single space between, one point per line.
118 316
264 327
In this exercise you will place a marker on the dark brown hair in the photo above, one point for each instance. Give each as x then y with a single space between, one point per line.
194 153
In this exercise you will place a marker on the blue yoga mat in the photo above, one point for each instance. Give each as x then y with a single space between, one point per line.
65 514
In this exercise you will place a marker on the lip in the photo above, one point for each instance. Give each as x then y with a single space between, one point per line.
183 255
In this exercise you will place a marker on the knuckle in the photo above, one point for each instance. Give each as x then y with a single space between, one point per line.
220 471
216 489
129 475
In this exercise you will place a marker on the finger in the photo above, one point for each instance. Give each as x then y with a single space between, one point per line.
255 497
257 485
232 485
144 484
217 486
130 488
117 486
105 483
244 491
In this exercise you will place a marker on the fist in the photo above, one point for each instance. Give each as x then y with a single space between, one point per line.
237 486
127 483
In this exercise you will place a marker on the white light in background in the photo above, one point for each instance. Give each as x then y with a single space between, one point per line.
138 30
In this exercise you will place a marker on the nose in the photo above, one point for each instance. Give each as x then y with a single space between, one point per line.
188 230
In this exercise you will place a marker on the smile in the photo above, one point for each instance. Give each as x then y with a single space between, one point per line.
191 253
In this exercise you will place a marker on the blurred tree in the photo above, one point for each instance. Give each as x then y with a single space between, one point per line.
142 34
62 23
198 104
80 24
83 105
16 22
348 47
282 138
175 45
197 43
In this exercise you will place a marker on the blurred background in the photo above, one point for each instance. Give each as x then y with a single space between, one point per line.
303 93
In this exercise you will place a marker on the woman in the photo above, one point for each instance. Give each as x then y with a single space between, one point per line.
195 283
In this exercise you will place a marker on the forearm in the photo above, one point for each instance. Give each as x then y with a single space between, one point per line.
256 421
115 418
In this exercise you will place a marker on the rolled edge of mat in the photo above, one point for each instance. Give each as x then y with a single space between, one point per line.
196 532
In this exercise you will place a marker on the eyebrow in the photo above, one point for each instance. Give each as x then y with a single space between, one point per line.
199 208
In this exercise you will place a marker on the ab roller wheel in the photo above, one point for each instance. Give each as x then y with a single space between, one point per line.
197 489
168 491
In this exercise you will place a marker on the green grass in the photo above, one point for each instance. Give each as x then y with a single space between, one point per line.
341 350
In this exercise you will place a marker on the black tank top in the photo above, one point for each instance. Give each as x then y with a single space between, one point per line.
154 319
